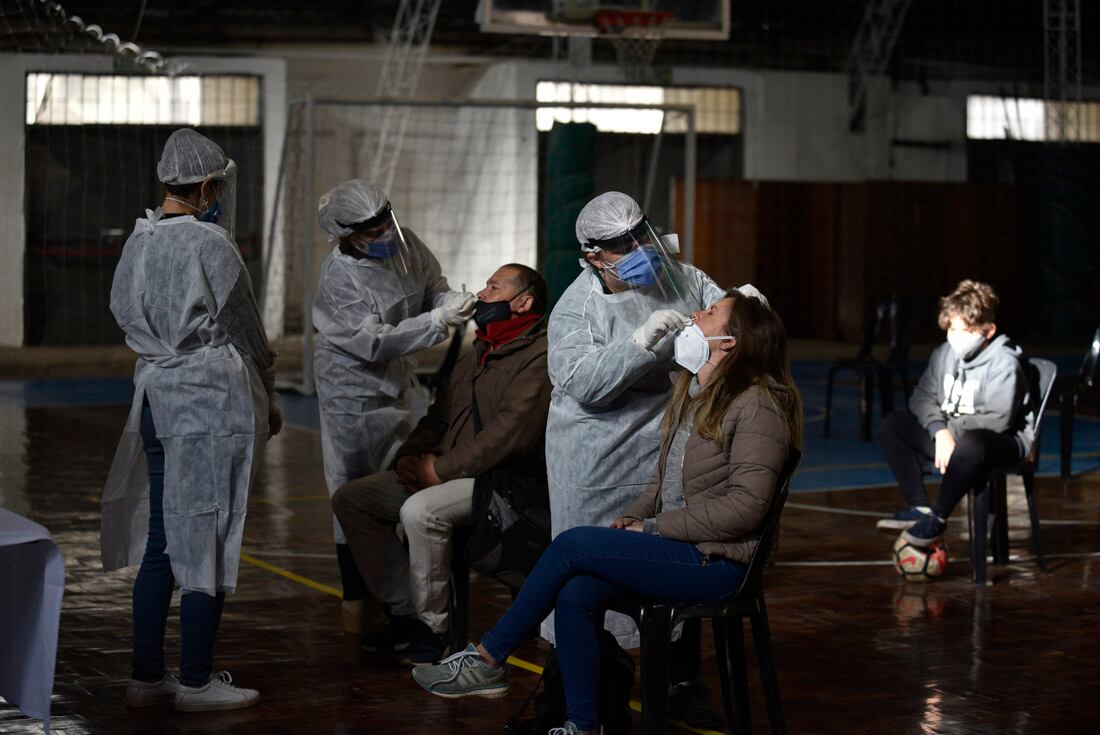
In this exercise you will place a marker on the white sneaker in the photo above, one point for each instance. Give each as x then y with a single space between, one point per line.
218 693
152 693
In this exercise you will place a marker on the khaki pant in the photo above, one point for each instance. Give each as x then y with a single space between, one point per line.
414 581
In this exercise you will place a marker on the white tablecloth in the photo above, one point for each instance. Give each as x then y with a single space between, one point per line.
32 581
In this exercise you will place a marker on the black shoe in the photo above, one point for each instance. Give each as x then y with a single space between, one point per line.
690 701
391 638
424 646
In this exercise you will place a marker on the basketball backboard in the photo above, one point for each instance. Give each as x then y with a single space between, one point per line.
699 20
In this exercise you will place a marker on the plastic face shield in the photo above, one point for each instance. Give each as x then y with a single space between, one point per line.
641 259
227 197
381 240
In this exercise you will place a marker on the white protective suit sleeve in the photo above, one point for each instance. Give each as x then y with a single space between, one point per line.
350 322
584 365
237 311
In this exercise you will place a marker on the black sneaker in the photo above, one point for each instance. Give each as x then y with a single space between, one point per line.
690 701
424 646
391 638
905 518
926 531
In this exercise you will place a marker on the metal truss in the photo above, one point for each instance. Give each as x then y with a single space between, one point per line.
874 44
408 45
1062 70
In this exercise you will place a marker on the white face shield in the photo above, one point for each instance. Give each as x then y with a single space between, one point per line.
381 240
642 261
221 211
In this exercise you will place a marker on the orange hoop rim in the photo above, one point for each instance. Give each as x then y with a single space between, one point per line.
615 22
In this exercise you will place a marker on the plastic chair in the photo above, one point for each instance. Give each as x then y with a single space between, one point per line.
993 496
893 314
458 607
657 620
1070 388
899 316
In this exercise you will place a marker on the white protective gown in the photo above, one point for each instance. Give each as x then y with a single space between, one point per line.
183 297
369 317
603 433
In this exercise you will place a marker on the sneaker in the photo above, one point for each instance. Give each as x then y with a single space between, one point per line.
464 674
391 637
423 646
152 693
690 701
927 531
217 694
904 519
570 729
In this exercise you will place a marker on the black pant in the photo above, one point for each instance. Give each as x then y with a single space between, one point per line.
908 446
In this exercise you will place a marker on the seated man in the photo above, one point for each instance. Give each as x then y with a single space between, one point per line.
492 412
970 412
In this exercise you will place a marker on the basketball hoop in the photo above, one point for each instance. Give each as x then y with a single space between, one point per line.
636 35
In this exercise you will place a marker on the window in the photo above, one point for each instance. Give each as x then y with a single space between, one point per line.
103 99
717 109
1018 118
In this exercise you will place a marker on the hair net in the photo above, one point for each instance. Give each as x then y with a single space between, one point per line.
608 215
190 157
350 202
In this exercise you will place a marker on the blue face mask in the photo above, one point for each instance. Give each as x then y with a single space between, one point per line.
639 267
385 247
212 214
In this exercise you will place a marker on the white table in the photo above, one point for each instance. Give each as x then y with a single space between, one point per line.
32 581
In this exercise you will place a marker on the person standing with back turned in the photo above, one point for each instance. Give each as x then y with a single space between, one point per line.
204 403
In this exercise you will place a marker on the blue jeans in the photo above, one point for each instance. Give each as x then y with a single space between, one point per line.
199 613
582 569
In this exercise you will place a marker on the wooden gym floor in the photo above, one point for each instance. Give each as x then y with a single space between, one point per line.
858 650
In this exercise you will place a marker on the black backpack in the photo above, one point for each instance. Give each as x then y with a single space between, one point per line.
616 682
511 526
511 511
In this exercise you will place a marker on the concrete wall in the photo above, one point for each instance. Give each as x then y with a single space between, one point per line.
794 127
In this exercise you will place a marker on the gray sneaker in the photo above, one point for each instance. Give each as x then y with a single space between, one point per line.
569 729
463 674
151 694
217 694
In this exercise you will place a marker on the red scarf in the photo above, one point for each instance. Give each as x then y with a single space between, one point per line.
498 334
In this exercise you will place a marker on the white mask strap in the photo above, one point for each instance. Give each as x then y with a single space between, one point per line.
184 202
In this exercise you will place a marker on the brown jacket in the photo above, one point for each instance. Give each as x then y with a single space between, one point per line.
513 398
727 487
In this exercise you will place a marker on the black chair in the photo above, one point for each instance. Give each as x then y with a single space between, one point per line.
458 607
1070 388
895 315
899 316
657 620
993 496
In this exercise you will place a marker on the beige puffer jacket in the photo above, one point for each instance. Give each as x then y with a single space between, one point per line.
727 487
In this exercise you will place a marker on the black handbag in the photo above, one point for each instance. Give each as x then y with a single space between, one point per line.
511 510
616 683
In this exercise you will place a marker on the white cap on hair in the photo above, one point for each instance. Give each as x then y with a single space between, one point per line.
190 157
353 201
609 215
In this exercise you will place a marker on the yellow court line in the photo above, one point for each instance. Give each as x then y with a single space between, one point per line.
287 574
517 662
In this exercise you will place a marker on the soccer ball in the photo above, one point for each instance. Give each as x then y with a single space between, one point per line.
919 563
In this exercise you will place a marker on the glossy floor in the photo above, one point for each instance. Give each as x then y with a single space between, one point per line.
859 651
